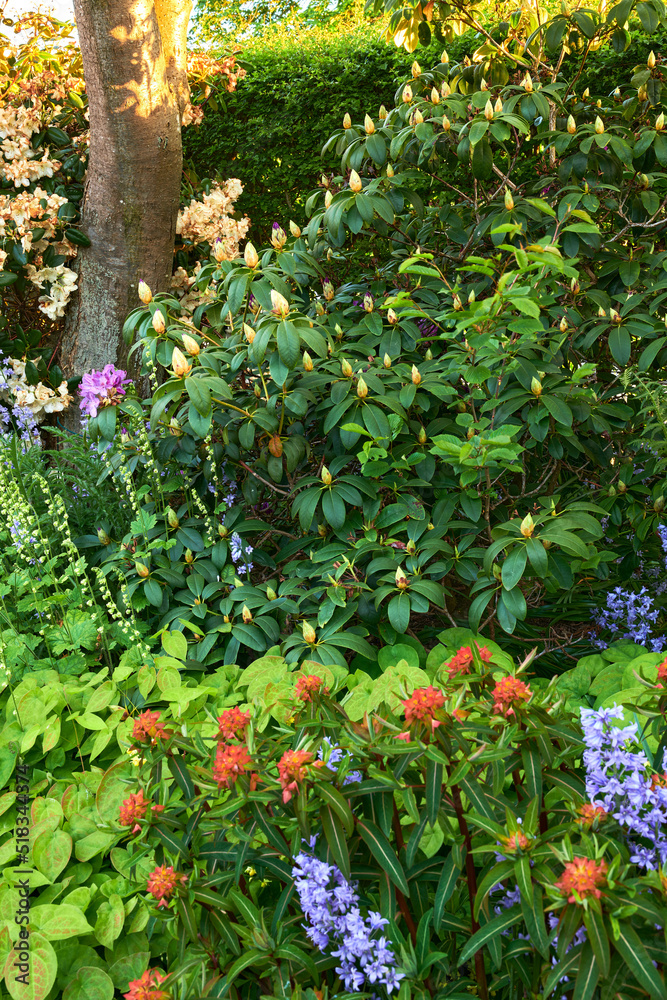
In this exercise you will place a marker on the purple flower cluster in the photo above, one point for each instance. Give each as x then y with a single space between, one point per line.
619 780
103 388
240 551
331 907
631 616
334 755
15 418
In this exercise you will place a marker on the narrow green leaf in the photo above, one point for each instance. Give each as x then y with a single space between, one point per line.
494 928
433 789
532 766
384 853
597 935
448 877
246 908
334 833
533 914
179 770
588 975
630 947
335 800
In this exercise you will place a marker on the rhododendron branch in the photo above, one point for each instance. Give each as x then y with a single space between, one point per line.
284 493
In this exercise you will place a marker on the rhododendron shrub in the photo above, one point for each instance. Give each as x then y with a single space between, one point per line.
451 834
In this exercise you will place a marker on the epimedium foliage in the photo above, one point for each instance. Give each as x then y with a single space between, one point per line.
458 809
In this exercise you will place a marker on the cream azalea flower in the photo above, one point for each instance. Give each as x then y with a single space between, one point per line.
210 219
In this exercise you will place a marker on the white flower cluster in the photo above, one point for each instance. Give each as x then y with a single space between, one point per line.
210 220
39 399
27 211
185 287
62 282
20 164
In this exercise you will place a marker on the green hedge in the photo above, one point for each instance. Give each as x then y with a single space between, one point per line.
272 128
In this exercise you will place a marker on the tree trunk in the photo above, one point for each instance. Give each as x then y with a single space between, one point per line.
135 68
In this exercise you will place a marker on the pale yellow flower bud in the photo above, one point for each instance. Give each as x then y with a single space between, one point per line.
650 62
417 117
246 614
382 113
416 70
391 317
280 304
527 83
326 476
325 181
328 291
347 121
642 93
250 256
571 125
536 387
401 579
444 58
294 229
390 170
660 122
456 302
445 90
435 96
527 526
563 327
355 182
248 333
142 570
145 293
307 362
346 368
278 238
368 303
586 94
415 375
158 321
422 436
328 198
446 124
309 633
190 345
362 388
483 85
509 200
488 111
599 125
179 363
369 125
219 252
407 93
386 360
498 106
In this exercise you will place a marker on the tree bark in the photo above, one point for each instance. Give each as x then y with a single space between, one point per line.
135 68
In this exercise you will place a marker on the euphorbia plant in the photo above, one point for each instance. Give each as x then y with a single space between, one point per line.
463 843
